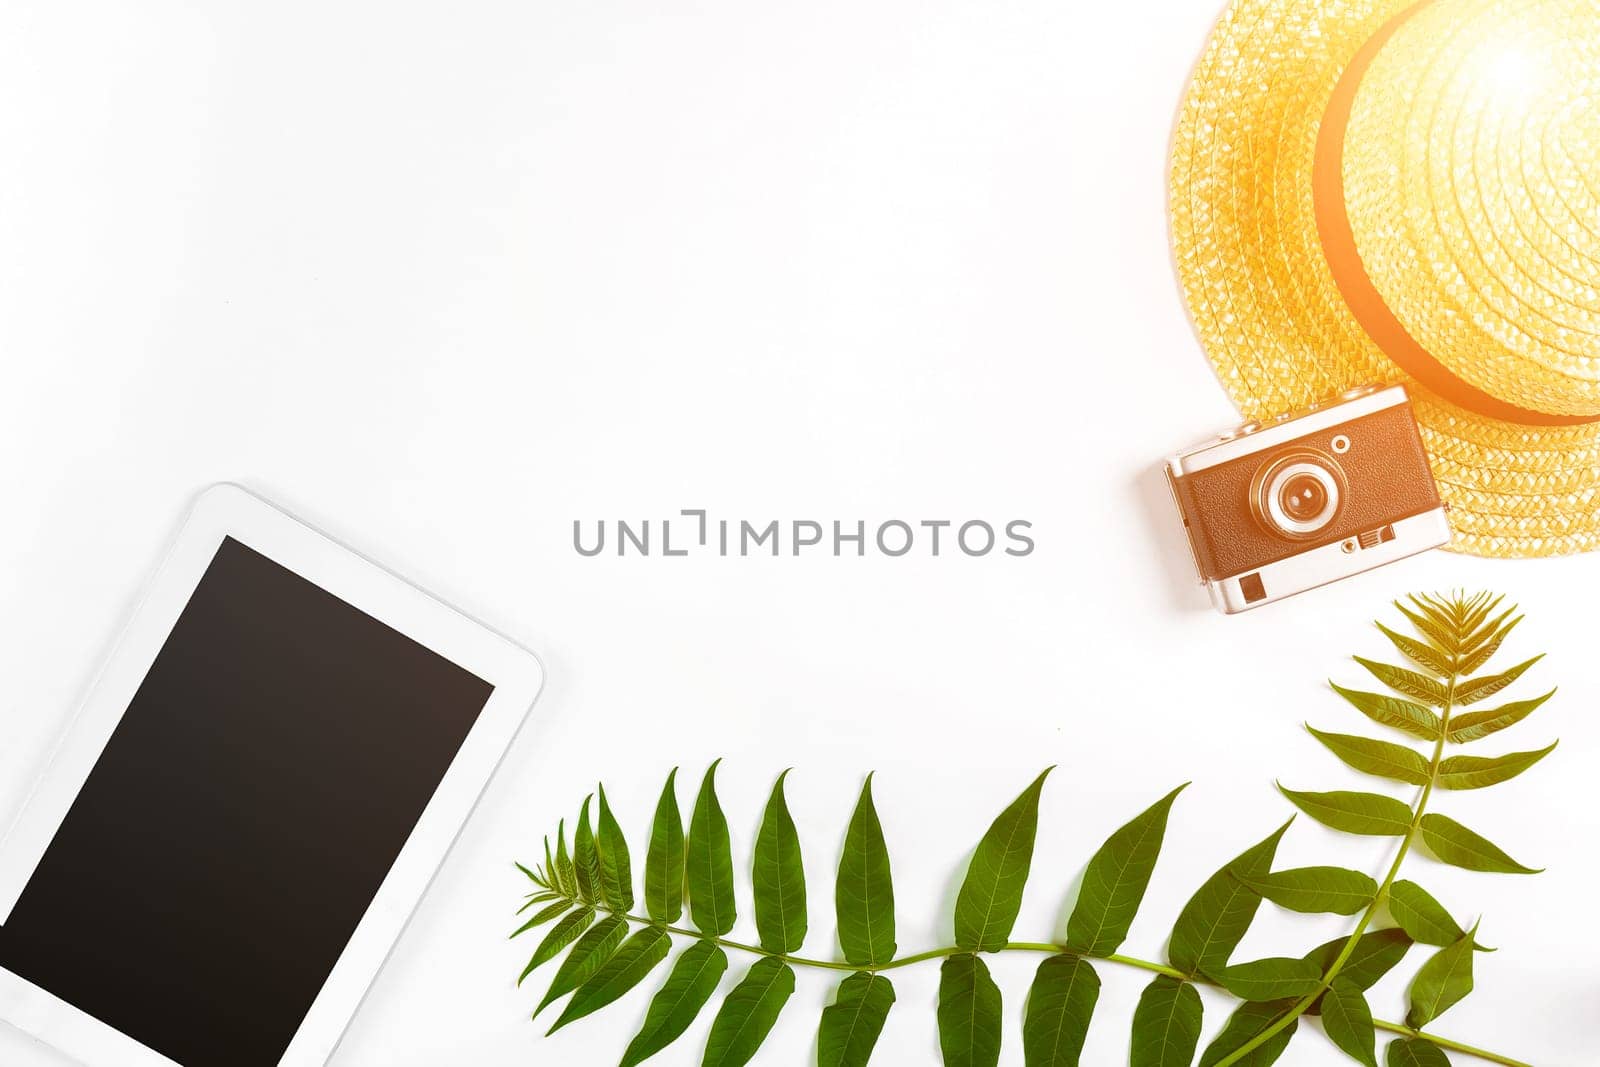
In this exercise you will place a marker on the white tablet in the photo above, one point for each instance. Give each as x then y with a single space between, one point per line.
249 804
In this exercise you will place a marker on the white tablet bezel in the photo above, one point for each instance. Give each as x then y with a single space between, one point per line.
229 511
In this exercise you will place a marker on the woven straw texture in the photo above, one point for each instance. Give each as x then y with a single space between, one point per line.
1471 176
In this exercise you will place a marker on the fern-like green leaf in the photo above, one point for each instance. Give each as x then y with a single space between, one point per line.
969 1013
749 1013
1115 881
1483 688
1406 683
1478 772
710 860
864 893
560 936
1476 725
1166 1024
1347 1020
616 868
1437 653
1458 846
1368 814
991 895
628 966
1480 652
1216 918
1382 759
852 1023
1060 1006
588 954
664 860
693 979
780 879
543 916
1403 715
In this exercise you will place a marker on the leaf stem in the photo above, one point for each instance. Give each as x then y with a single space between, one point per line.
1304 1003
1046 947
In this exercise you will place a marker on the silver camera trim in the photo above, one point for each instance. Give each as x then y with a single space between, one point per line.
1272 502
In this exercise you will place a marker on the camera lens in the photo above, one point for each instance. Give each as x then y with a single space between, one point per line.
1297 495
1303 497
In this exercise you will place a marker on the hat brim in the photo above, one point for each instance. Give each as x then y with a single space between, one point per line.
1268 310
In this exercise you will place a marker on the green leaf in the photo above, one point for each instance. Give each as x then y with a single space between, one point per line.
780 880
693 979
991 895
1375 955
1480 724
1441 982
1347 1021
560 936
1477 772
1406 683
616 869
534 900
588 953
1381 758
1422 917
1477 655
628 966
1415 1052
566 875
852 1023
1115 881
1215 919
864 893
1245 1023
1166 1024
1354 813
749 1013
1443 635
1454 844
1315 889
585 859
969 1013
532 877
544 916
663 861
1060 1006
1402 715
1421 653
1274 978
1487 686
710 862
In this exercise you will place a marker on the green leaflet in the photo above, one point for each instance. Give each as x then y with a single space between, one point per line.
616 869
664 860
1215 919
1166 1025
566 876
1423 918
1274 978
1454 844
693 979
710 860
1060 1006
1354 813
864 892
780 880
749 1013
585 858
1440 631
1415 1052
1480 654
1381 758
969 1013
1402 715
1441 982
628 966
1115 881
1245 1023
544 916
1406 683
991 895
534 900
588 954
560 936
1487 686
1347 1021
1374 956
1316 889
1480 724
852 1023
1421 653
1477 772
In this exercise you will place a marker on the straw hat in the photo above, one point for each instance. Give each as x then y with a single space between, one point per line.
1391 191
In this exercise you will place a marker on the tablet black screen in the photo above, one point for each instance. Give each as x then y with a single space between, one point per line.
231 835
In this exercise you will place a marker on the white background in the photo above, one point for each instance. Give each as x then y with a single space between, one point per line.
441 279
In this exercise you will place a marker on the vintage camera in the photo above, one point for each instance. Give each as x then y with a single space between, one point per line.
1276 508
